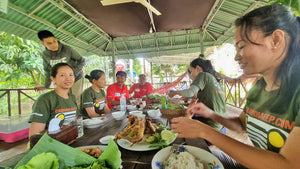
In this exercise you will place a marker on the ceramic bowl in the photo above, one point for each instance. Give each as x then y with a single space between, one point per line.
154 113
118 115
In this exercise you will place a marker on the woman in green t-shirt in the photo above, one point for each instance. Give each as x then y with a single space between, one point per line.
58 103
93 99
267 42
208 89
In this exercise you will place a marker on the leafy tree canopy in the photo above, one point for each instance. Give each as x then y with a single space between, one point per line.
19 59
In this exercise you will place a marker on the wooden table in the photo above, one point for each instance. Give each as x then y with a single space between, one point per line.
110 127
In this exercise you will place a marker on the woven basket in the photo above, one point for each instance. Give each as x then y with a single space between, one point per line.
172 113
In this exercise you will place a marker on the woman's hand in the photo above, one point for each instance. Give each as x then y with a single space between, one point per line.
200 109
186 127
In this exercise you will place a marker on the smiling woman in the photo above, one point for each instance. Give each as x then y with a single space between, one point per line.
267 42
55 103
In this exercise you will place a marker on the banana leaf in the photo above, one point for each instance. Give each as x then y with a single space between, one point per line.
112 155
69 156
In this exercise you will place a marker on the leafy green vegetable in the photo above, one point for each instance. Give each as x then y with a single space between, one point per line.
70 157
95 165
46 159
166 105
161 127
158 142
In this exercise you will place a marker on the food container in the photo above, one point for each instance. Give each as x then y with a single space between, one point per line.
118 115
154 113
14 128
172 113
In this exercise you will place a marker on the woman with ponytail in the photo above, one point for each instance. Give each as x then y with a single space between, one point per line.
93 99
208 89
267 43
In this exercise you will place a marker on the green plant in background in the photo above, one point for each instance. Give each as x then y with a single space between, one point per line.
20 62
294 4
165 72
137 66
20 67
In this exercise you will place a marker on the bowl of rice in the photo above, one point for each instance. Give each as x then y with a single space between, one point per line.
189 158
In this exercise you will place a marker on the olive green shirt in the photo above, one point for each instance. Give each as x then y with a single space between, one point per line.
212 95
268 129
51 105
90 98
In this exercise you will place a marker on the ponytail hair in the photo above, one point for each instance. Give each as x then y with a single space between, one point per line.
205 65
95 74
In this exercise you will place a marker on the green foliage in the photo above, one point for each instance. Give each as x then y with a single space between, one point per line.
165 71
294 4
19 61
137 66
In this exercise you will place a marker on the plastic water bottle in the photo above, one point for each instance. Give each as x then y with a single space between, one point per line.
123 103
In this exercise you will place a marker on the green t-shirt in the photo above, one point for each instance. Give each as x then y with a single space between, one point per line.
269 130
212 95
90 98
51 105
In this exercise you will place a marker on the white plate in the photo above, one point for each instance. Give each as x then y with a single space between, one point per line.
204 156
105 139
141 146
94 122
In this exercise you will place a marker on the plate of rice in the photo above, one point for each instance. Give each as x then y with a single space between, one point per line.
188 157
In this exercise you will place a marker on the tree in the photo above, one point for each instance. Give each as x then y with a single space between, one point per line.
166 72
137 66
294 4
20 59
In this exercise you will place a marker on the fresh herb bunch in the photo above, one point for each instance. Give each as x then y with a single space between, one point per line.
161 127
156 140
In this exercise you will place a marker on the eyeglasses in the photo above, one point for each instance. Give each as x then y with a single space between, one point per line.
189 71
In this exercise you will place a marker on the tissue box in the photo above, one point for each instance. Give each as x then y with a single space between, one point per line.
14 128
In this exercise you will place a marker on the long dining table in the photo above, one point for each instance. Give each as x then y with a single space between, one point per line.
130 159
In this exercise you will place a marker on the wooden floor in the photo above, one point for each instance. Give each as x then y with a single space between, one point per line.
7 150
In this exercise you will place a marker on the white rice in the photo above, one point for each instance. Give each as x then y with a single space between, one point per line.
183 160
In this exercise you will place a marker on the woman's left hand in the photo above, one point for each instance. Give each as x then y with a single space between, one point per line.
186 127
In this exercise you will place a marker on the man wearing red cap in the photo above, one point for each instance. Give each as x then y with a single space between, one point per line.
115 91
